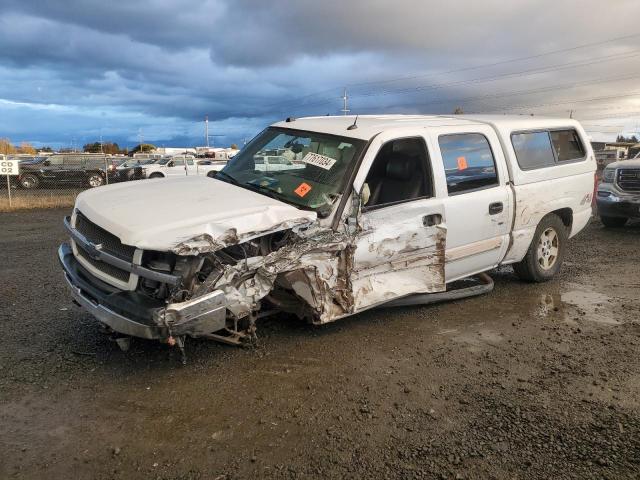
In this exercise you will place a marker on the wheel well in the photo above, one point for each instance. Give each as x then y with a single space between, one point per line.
566 215
156 174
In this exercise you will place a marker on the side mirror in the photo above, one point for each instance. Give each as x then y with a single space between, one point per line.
366 194
170 164
46 163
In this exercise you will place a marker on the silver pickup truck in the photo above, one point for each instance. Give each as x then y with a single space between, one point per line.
618 196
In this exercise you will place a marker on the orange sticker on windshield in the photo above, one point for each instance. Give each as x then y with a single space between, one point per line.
462 163
302 189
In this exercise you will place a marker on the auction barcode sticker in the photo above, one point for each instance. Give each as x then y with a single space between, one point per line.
319 160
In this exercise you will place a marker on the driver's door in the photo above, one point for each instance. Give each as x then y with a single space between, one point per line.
402 240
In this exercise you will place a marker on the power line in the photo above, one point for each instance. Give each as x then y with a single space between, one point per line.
502 62
462 100
476 67
517 74
593 99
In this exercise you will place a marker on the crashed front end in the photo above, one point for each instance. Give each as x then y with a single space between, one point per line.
207 287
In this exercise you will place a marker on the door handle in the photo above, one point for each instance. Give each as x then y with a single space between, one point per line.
431 220
495 208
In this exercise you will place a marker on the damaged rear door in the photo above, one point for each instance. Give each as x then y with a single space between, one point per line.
401 244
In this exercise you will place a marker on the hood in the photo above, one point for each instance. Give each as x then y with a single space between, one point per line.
186 215
630 163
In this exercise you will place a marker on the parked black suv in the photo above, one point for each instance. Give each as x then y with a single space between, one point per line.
618 196
70 169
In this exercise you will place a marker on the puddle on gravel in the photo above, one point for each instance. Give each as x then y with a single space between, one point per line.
590 305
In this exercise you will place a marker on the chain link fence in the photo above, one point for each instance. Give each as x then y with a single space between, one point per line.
56 180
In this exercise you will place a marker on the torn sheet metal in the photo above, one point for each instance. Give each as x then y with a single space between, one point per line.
322 261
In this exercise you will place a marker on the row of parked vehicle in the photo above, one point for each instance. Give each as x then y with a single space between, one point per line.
94 170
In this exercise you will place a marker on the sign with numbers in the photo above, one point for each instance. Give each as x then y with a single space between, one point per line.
8 167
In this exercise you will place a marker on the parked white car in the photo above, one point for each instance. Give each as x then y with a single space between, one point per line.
385 210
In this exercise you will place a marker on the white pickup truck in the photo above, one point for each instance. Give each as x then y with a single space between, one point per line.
386 210
180 166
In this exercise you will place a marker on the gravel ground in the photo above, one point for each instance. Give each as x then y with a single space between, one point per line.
528 382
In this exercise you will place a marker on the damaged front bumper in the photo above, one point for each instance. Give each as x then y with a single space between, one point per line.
134 314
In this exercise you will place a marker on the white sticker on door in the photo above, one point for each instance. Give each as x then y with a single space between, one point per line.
319 160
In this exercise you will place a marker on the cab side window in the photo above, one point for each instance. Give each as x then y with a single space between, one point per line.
468 162
178 163
399 173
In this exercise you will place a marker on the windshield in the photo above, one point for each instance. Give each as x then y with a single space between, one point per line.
304 168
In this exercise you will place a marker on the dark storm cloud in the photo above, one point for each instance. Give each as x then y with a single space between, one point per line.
87 67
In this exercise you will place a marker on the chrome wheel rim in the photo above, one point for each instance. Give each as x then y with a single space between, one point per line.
95 180
548 248
28 182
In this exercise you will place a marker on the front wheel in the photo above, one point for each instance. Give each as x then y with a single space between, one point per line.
613 222
95 180
546 252
156 175
29 181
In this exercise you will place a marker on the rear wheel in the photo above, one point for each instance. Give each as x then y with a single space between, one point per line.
613 222
29 181
546 252
95 180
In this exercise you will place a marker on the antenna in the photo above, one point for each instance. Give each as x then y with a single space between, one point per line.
345 105
354 125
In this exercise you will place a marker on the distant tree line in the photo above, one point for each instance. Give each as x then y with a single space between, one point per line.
7 148
110 148
622 138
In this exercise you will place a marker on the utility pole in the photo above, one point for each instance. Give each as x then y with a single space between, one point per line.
140 138
345 105
206 130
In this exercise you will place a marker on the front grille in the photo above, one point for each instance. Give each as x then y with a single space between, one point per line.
628 179
99 236
105 268
109 244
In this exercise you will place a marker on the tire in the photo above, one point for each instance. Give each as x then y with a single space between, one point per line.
95 180
546 252
613 222
29 181
156 175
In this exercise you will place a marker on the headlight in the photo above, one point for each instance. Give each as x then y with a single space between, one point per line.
608 175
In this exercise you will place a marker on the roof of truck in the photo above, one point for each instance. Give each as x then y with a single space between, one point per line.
371 125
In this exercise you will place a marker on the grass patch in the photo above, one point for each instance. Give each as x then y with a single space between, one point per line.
41 201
